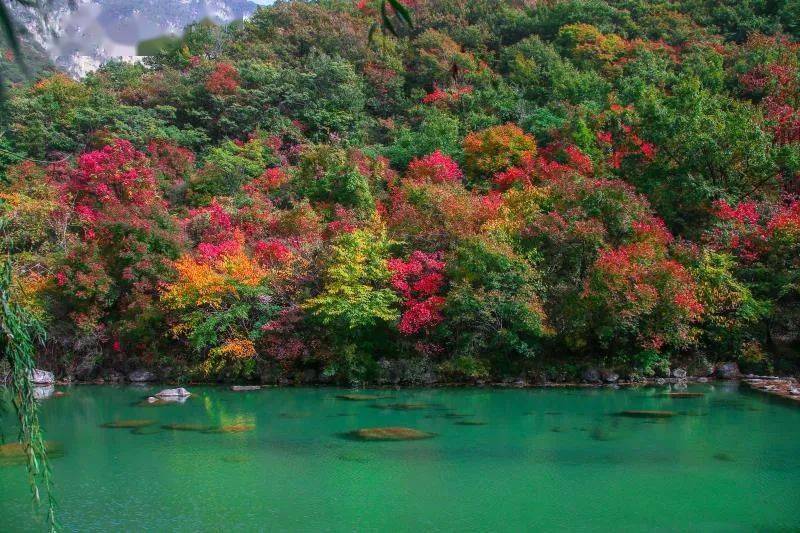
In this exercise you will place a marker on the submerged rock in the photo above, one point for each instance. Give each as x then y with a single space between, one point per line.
600 434
390 434
146 430
292 416
141 376
13 453
725 457
233 428
180 392
403 406
236 458
42 377
128 424
245 388
190 427
646 414
355 397
471 423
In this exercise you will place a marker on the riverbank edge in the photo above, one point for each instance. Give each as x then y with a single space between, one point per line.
785 387
770 384
781 387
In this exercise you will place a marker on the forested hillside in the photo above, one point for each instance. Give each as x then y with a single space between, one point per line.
504 188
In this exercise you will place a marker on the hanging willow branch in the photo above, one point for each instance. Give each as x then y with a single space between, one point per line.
19 332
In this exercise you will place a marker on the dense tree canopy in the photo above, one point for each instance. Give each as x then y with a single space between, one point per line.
500 187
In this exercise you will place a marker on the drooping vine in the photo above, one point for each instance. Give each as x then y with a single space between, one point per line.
19 332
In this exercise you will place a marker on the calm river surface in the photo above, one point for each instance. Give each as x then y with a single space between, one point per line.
546 460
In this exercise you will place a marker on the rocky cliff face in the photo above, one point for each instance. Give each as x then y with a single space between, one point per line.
80 35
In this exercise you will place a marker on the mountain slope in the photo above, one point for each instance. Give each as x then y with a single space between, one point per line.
80 35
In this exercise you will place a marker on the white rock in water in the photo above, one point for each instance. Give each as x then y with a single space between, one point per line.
245 388
180 392
42 377
42 393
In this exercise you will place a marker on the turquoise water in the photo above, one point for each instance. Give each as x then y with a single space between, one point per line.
546 459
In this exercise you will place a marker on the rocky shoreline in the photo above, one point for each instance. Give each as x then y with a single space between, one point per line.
782 387
678 378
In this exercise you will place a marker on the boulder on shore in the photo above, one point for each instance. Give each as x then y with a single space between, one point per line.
112 376
180 392
591 375
609 376
141 376
679 373
42 377
729 370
